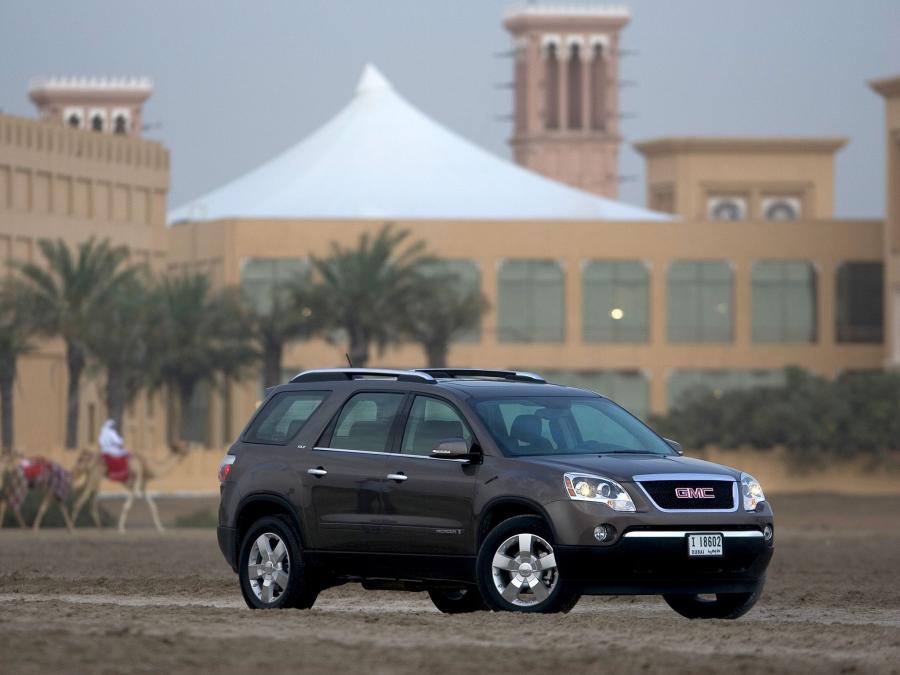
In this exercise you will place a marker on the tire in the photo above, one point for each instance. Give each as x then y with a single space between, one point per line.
460 601
725 606
285 583
530 540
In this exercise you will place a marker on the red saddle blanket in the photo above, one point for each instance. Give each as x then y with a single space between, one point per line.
116 468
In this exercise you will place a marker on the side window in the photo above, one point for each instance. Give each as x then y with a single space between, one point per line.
284 415
596 426
431 421
365 422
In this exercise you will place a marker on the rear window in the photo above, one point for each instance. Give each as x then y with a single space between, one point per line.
283 416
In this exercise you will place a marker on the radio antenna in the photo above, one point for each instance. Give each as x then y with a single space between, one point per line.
347 354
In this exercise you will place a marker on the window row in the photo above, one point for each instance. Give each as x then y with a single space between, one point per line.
616 299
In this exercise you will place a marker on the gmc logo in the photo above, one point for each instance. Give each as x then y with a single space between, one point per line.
695 493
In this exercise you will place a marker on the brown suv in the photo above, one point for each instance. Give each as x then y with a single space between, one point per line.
485 488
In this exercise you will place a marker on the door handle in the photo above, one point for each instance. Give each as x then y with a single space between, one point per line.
319 471
397 476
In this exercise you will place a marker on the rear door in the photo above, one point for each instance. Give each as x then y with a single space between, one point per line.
428 501
347 471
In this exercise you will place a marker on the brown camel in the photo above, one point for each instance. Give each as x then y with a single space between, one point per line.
52 478
140 471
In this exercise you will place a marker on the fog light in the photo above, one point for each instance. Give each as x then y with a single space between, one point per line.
768 533
603 533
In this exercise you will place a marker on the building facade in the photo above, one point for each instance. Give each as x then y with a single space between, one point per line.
62 182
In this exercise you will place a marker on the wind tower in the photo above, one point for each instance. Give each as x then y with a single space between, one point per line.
566 85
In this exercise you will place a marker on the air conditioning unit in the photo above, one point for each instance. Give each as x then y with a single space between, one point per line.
781 208
726 208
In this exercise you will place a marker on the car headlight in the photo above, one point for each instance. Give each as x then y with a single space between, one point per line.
752 492
587 488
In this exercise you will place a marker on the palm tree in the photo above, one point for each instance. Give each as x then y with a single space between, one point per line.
365 287
70 293
439 312
120 344
293 312
198 335
18 325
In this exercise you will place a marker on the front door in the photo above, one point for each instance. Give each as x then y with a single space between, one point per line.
427 504
347 471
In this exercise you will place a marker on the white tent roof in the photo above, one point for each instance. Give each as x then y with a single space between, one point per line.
382 158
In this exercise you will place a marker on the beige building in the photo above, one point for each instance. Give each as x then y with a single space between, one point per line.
737 268
62 182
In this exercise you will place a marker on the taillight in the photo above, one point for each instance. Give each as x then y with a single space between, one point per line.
225 467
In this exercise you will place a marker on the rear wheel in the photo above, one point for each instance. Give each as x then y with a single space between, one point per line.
457 601
717 606
271 569
517 570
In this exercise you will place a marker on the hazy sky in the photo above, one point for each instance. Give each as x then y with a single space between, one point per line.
237 82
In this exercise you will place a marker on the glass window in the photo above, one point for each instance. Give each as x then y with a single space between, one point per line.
466 276
860 302
261 277
784 301
615 301
629 388
284 416
564 425
365 422
684 383
531 301
699 307
196 417
430 422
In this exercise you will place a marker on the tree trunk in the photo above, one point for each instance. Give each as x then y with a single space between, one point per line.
185 394
272 364
7 379
436 353
115 397
359 349
75 363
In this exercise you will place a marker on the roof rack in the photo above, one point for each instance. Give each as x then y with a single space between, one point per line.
512 375
334 374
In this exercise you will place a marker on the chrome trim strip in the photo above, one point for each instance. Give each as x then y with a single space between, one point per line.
678 534
391 454
735 494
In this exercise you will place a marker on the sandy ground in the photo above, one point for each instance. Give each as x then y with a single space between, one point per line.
145 603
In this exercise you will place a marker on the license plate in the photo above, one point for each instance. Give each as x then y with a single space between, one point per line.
700 545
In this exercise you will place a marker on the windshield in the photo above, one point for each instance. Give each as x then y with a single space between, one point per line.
565 425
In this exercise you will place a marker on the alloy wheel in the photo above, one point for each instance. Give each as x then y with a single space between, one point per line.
524 570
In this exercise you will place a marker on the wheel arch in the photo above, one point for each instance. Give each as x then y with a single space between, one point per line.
255 506
502 508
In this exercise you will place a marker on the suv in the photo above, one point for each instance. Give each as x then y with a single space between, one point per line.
487 489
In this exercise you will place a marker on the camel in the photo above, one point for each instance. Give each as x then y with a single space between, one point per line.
140 471
55 481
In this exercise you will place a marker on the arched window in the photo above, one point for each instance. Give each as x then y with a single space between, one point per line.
74 120
700 301
97 123
120 124
784 301
615 301
531 301
860 302
598 89
551 88
574 86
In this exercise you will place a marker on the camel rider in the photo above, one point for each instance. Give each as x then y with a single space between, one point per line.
112 448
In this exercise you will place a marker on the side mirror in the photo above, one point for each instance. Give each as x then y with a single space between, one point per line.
456 448
675 445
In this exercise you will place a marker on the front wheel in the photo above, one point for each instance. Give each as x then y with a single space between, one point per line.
517 570
271 569
720 606
459 601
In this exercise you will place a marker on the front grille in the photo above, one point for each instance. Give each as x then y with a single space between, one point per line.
664 494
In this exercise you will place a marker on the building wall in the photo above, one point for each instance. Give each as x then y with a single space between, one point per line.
58 182
826 244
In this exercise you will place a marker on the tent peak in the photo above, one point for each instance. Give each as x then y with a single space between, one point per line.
372 80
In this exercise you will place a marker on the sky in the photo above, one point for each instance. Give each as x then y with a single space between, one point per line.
237 82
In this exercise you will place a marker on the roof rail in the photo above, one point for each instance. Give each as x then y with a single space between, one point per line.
512 375
336 374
